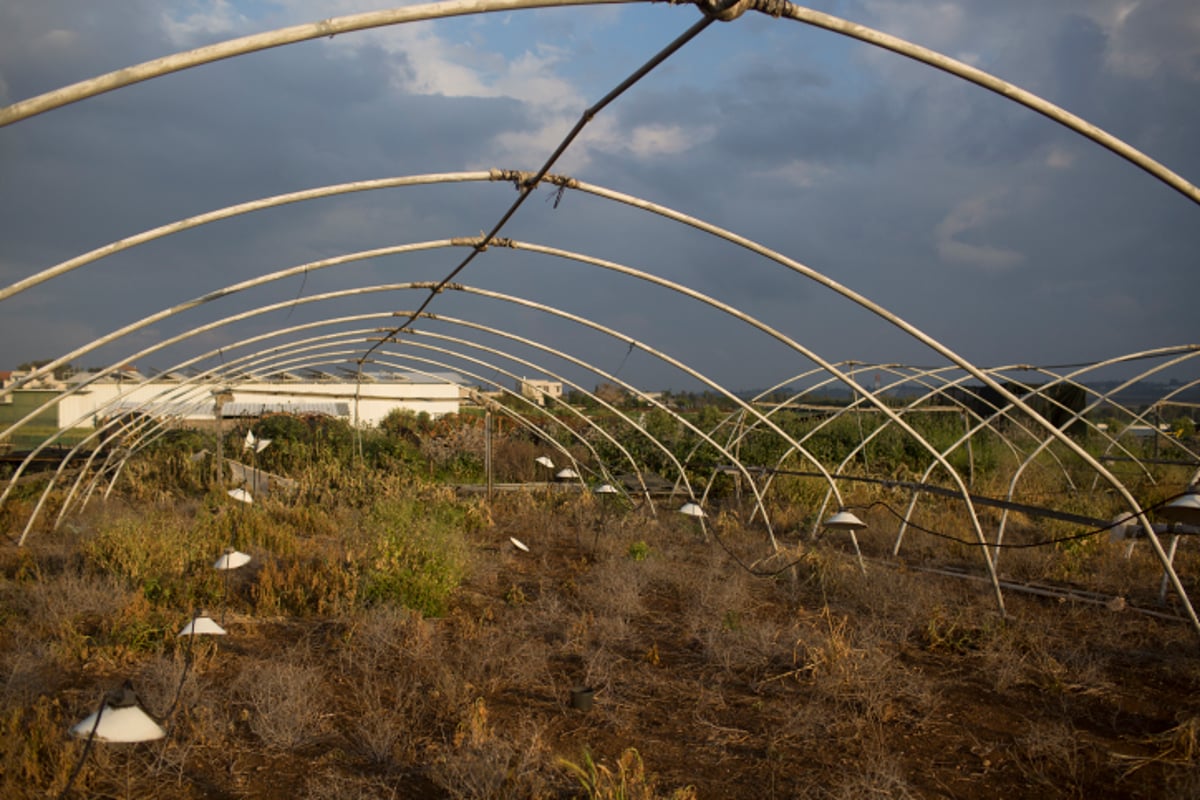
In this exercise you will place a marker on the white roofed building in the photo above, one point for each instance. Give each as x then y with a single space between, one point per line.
364 402
539 390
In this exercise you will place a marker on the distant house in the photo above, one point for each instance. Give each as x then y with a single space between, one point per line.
1146 431
15 376
538 391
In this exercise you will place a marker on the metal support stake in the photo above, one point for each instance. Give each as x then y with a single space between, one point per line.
1166 578
487 451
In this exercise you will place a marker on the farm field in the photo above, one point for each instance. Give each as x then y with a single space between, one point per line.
388 639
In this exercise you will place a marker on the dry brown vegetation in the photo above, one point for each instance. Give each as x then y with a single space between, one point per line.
805 678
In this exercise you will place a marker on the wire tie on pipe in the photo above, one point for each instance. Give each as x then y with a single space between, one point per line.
774 8
725 10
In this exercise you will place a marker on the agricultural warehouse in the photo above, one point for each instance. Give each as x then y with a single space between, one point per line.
560 398
85 398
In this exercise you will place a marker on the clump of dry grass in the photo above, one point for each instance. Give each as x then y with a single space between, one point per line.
717 675
399 685
481 764
33 751
612 592
1050 754
283 702
858 672
878 773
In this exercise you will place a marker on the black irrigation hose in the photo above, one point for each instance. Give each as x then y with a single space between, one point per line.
87 748
1019 546
1041 542
756 573
187 663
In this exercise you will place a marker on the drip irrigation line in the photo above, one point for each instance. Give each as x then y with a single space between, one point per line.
87 748
1029 545
977 499
755 572
187 663
1096 531
527 185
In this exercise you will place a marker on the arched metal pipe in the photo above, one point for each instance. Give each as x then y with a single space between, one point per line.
371 335
276 364
954 357
762 251
797 347
551 251
601 373
777 8
290 358
243 363
999 413
264 41
264 279
575 386
266 362
920 377
1068 380
537 345
155 427
364 334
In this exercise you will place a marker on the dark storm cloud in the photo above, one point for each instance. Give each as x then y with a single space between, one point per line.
999 213
949 205
198 140
43 46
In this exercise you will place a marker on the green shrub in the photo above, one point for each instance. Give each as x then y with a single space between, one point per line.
416 553
639 550
156 552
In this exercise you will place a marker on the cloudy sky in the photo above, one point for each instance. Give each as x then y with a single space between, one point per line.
1004 236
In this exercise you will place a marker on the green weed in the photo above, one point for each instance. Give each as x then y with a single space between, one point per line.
639 551
417 555
627 781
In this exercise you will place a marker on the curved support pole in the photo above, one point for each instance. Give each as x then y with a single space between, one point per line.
850 295
572 359
146 322
982 423
267 362
745 430
555 376
732 443
1076 416
952 356
58 473
242 364
516 395
56 436
264 41
94 482
738 240
289 358
68 499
